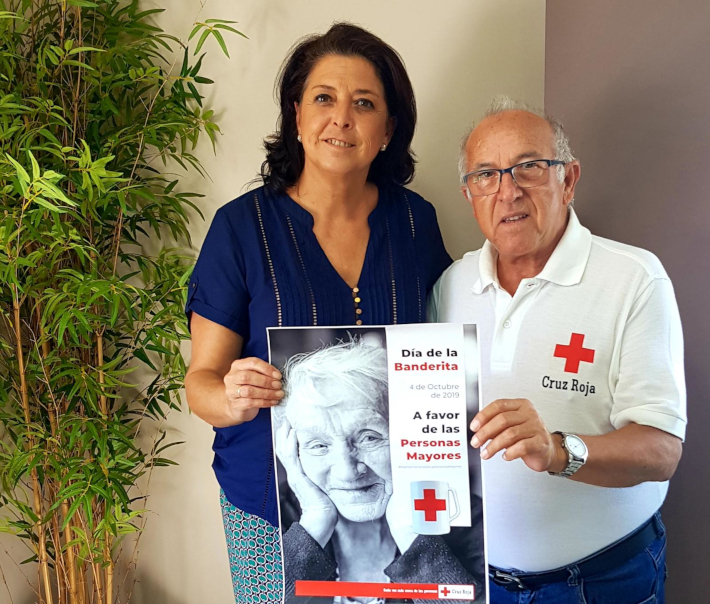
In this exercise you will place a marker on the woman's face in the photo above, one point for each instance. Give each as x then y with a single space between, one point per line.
344 451
342 117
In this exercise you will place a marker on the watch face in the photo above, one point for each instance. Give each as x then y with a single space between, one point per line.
576 446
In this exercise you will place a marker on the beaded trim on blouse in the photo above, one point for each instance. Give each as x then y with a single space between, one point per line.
314 309
414 237
356 292
279 314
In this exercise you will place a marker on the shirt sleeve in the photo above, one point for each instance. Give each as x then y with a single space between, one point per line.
431 245
650 386
218 288
432 308
304 560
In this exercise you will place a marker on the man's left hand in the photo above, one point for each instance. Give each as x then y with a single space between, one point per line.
516 426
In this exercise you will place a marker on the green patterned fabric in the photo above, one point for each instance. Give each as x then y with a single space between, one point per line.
254 556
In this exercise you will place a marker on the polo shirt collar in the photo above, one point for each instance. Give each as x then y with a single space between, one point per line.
487 268
565 266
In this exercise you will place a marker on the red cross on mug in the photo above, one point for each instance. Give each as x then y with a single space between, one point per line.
430 505
434 505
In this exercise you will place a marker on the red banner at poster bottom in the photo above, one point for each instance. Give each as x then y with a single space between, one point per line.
420 591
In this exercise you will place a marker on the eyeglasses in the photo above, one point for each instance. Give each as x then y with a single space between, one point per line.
526 175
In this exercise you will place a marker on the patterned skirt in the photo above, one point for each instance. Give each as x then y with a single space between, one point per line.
254 556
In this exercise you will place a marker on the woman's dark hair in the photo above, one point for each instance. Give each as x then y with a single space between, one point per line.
284 154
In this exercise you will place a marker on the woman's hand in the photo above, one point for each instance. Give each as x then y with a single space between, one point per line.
319 515
223 391
250 385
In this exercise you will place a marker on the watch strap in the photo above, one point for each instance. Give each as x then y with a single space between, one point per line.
573 462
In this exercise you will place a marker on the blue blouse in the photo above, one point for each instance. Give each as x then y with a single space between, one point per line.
261 266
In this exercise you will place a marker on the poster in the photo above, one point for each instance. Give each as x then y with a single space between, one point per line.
379 490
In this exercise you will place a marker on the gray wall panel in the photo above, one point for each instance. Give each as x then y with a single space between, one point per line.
631 83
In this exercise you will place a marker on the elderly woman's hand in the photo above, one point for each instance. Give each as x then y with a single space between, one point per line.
399 518
319 515
250 385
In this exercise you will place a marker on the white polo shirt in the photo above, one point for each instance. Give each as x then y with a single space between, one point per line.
595 343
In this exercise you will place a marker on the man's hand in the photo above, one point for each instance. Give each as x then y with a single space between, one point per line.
621 458
516 426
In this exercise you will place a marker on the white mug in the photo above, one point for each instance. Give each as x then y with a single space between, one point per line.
431 504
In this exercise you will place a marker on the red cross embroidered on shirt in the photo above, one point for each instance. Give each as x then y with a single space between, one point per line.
430 505
574 353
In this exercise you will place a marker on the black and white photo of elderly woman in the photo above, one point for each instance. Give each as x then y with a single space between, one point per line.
332 438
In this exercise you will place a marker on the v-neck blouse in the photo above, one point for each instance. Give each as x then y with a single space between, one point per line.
261 266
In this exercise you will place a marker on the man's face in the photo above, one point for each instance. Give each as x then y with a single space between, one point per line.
344 450
522 224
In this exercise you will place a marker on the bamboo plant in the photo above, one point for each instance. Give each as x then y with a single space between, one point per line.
96 105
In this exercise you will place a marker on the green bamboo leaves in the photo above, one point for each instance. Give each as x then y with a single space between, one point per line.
40 188
211 27
96 116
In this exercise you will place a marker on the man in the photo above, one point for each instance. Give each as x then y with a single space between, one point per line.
582 379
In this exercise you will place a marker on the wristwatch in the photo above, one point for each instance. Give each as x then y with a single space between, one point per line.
577 454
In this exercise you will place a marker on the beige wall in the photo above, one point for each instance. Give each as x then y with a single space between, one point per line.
459 53
630 82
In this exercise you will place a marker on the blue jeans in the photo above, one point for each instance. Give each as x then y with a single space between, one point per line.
641 580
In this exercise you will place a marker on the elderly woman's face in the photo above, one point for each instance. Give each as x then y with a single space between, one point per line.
342 117
344 450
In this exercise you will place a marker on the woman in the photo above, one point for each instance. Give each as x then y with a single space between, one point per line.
332 438
332 238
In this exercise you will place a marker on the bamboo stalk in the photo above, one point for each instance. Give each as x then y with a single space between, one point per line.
42 545
109 571
44 353
109 584
59 567
102 379
97 581
71 561
105 410
69 565
82 585
77 94
20 356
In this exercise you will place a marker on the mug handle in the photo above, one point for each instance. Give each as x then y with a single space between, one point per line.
456 505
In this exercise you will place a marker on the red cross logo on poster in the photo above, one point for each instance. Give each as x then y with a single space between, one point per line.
430 505
457 592
574 353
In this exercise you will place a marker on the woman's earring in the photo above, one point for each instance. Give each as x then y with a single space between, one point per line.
383 147
299 138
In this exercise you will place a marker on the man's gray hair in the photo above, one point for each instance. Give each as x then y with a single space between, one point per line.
358 367
503 103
